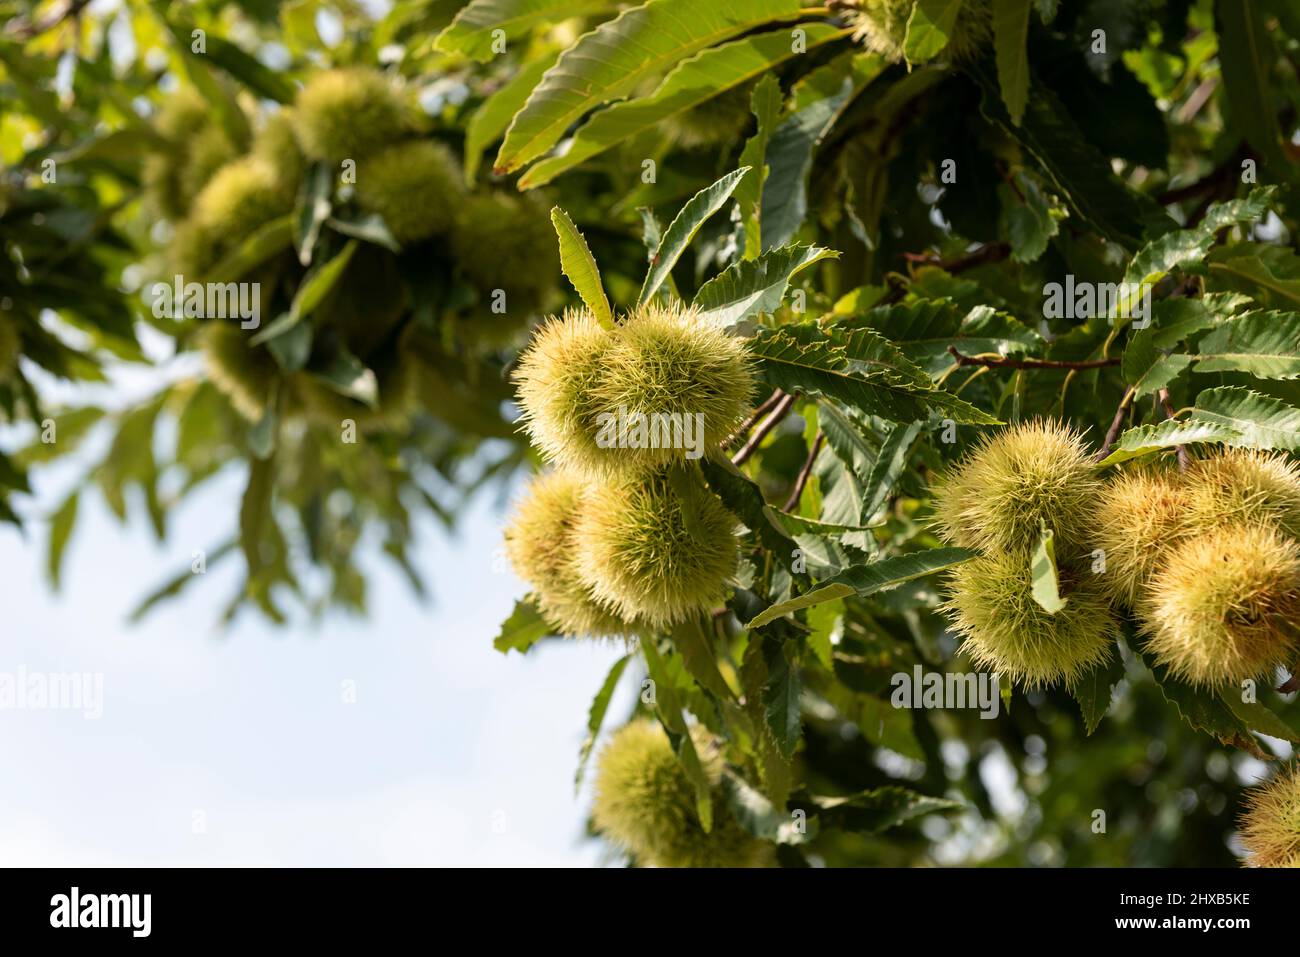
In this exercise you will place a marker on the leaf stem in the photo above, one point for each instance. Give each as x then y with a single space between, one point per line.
782 409
797 493
1002 362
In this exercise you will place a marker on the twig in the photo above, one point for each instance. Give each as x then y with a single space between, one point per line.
1163 397
980 256
1113 431
762 410
25 29
1292 683
799 483
1002 362
755 440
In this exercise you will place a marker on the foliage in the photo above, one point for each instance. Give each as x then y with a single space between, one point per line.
918 235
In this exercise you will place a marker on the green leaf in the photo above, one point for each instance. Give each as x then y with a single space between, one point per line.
368 227
523 629
1010 36
1206 711
765 102
316 285
1268 272
579 265
744 499
694 643
690 761
682 230
313 209
250 72
929 28
877 810
616 58
801 358
596 714
255 511
1257 717
1093 691
259 246
760 817
692 82
781 698
863 580
1246 58
174 585
1262 421
494 114
756 286
924 330
1264 344
471 32
888 466
61 525
1046 590
1145 439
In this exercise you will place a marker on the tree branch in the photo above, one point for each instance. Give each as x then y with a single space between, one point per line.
743 429
1115 423
1002 362
1163 396
793 501
755 440
980 256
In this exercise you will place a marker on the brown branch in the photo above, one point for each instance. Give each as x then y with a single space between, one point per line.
1115 423
1291 684
21 28
755 440
793 501
982 255
1002 362
743 429
1163 397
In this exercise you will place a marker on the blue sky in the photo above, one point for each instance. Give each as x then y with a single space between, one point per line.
452 754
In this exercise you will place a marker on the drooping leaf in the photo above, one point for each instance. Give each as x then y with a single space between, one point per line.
877 810
1246 57
691 83
474 30
781 698
596 715
317 284
613 60
1093 691
494 114
61 525
1264 344
1010 34
760 817
765 102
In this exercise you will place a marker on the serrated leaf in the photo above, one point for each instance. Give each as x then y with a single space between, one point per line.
682 230
579 265
596 715
781 694
695 645
755 286
1010 37
1257 717
613 60
929 28
523 629
866 580
692 82
472 31
1045 587
1272 272
924 330
1262 421
765 103
888 466
877 810
1145 439
1093 691
1264 344
1204 710
760 817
